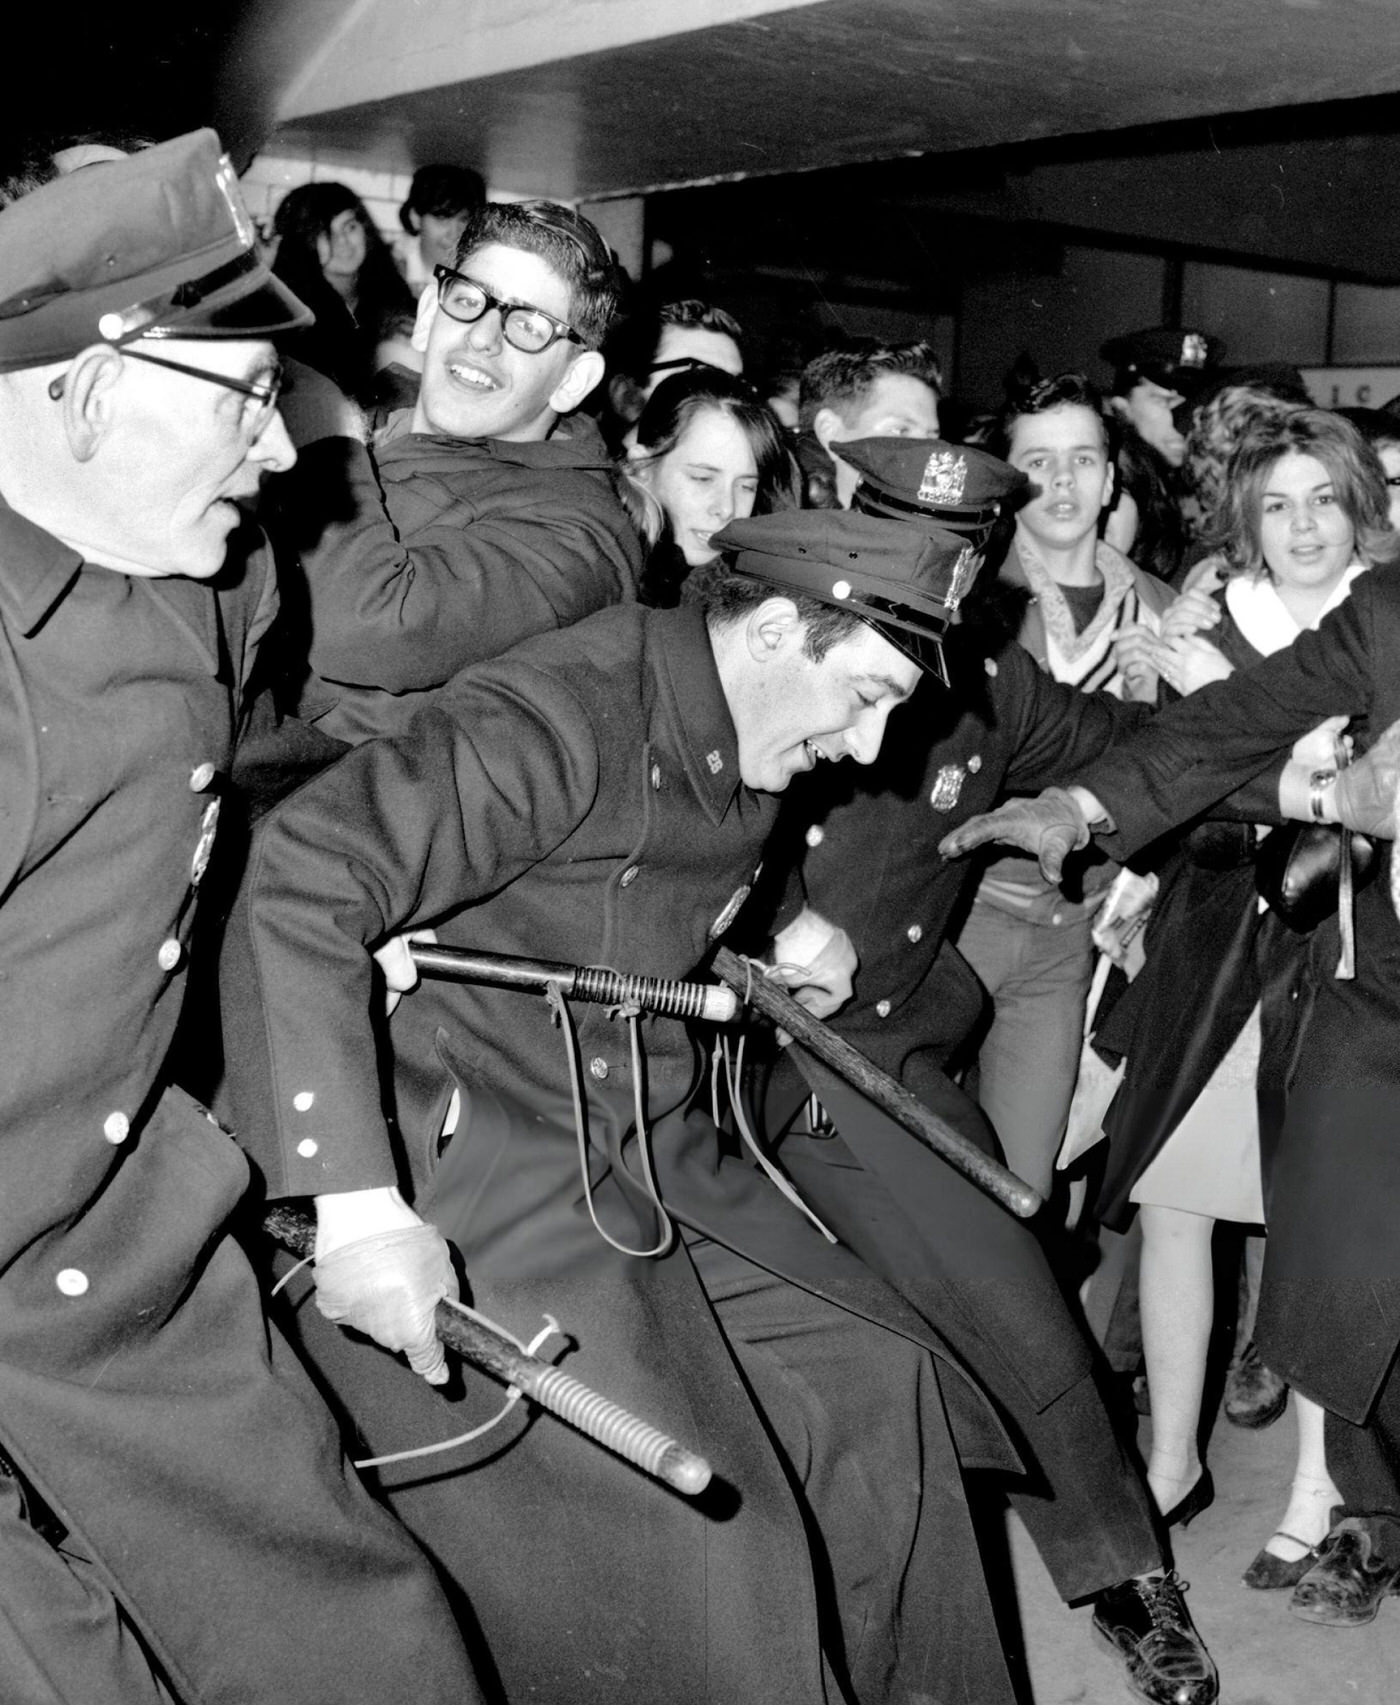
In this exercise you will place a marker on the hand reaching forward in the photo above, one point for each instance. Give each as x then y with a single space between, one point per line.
1367 791
1049 827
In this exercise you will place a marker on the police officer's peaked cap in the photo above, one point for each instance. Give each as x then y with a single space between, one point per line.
158 244
1178 359
906 581
924 480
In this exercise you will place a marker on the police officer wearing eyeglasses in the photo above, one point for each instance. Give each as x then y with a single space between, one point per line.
486 513
176 1520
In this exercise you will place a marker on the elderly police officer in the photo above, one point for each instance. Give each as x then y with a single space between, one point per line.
174 1513
602 795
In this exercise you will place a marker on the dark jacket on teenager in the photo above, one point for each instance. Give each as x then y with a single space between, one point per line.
419 555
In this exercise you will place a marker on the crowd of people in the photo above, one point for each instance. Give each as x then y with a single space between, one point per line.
495 608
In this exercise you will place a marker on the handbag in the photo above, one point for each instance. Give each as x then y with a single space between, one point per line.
1297 870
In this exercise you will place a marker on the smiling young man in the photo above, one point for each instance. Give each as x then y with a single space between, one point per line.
603 795
489 511
175 1516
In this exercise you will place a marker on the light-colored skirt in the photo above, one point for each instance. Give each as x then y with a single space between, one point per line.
1210 1163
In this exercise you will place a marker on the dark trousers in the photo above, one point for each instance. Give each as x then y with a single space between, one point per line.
1085 1502
1086 1507
856 1414
1365 1460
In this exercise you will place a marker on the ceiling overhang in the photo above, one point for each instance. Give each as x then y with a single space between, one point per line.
591 99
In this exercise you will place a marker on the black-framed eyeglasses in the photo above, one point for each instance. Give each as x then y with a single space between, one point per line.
523 326
259 398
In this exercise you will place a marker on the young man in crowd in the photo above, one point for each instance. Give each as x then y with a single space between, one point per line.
602 795
1028 942
490 511
870 390
175 1516
868 844
652 344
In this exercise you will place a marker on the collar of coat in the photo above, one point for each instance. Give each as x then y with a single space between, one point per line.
1118 583
575 442
1260 615
37 571
695 705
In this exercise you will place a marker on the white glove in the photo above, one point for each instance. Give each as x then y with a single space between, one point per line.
817 962
387 1285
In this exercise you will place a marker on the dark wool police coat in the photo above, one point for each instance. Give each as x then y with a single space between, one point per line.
577 799
872 866
425 554
1329 1312
180 1445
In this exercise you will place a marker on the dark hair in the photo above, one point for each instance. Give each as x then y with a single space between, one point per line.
1355 470
843 376
726 598
633 348
25 172
340 344
34 166
1065 390
1375 425
441 191
567 242
676 402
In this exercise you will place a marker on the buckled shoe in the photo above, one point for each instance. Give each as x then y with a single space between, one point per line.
1146 1625
1359 1563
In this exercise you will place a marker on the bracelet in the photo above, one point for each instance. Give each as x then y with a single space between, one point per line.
1318 783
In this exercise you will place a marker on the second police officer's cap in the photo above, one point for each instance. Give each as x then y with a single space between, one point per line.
903 557
159 244
923 480
1176 358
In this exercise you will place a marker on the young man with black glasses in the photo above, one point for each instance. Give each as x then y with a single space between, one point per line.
486 514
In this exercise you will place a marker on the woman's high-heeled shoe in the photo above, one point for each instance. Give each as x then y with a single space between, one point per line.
1200 1497
1268 1571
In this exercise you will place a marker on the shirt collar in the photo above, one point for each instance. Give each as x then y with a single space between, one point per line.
690 686
36 569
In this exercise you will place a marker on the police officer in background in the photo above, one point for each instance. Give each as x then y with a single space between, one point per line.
979 1276
1155 372
175 1516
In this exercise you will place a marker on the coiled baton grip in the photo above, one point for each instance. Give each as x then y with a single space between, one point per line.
709 1001
886 1092
610 1425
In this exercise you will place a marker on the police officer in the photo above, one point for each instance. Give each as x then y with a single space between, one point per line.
980 1277
1156 372
602 795
175 1517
